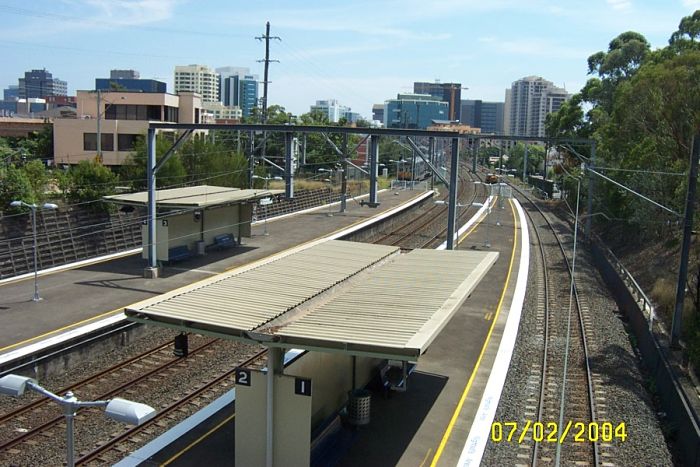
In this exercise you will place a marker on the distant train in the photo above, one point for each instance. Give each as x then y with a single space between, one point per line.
491 178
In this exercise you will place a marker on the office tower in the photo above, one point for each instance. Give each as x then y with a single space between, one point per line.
446 92
39 84
488 116
414 111
238 88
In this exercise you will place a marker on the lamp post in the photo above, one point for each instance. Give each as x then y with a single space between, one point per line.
330 188
267 188
458 205
121 410
33 207
486 221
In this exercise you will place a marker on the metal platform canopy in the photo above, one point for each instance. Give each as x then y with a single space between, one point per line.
393 311
349 301
194 216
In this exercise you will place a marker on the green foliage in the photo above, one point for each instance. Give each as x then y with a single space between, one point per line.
516 157
687 35
213 163
133 172
38 178
14 185
90 180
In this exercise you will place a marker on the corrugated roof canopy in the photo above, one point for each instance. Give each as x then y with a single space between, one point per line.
200 196
243 301
400 307
395 309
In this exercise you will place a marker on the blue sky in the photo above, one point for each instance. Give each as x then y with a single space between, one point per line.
359 52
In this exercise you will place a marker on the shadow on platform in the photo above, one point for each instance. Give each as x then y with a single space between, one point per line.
395 420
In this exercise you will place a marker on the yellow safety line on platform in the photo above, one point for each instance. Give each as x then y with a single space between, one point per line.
198 440
64 328
463 398
476 224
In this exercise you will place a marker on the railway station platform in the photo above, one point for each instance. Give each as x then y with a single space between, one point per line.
444 416
94 292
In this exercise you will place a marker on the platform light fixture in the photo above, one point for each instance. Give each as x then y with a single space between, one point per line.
33 207
457 206
121 410
267 188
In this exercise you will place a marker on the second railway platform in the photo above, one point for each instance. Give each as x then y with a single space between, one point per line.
74 297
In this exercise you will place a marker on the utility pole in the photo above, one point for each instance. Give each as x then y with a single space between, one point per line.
685 248
266 61
266 81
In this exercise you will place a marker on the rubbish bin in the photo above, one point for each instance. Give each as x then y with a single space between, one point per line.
201 248
358 407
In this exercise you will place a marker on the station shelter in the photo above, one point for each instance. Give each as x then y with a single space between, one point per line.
192 219
352 307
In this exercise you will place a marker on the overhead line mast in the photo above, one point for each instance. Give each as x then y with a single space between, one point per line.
266 81
267 61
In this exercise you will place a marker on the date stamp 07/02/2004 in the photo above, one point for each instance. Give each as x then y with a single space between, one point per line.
551 432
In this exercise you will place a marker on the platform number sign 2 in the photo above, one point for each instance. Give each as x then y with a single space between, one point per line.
302 386
242 377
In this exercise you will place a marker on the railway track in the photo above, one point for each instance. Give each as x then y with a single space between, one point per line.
44 419
41 420
419 232
113 449
564 378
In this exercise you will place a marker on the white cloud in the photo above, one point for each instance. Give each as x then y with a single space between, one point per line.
620 4
536 47
691 3
132 12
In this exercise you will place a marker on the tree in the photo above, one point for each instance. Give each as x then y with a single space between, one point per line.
535 158
90 181
687 35
625 55
38 178
14 185
213 163
133 172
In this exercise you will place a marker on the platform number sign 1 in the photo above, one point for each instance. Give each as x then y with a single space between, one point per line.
242 377
302 386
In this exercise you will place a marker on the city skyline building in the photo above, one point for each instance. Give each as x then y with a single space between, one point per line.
39 84
10 93
446 92
238 88
199 79
124 74
528 101
130 84
488 116
124 117
414 111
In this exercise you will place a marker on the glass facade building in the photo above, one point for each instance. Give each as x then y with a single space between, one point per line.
415 111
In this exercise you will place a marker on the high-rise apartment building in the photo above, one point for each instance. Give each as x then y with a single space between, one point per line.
488 116
238 88
39 84
414 111
446 92
198 78
528 102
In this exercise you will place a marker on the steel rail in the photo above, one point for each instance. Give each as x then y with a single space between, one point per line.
584 342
